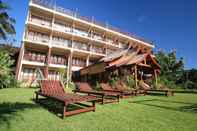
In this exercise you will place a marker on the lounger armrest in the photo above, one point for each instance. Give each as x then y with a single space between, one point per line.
90 92
117 91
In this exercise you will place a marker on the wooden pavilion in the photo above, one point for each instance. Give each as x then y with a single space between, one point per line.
141 66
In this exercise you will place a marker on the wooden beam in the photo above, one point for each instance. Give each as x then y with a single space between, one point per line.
155 73
135 75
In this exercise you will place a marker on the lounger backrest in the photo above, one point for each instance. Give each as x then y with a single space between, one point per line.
51 87
106 86
83 86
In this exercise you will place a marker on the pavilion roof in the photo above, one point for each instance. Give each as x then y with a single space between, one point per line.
121 58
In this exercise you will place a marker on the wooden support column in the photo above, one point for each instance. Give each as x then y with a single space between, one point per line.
141 76
155 73
135 75
46 70
69 69
19 62
87 60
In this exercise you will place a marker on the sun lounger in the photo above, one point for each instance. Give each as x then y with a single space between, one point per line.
54 90
104 96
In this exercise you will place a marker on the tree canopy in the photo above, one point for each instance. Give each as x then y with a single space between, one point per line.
6 22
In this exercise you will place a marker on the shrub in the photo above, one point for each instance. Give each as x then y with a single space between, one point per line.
113 81
7 79
130 82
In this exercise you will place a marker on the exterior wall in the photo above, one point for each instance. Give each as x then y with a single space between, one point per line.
53 40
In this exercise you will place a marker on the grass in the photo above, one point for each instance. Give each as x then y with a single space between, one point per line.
144 113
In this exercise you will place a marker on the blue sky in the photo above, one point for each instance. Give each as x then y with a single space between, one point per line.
171 24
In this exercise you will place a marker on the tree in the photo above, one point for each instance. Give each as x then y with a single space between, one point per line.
6 76
172 69
189 79
6 22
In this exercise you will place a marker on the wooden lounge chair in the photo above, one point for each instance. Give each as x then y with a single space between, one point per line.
54 90
124 93
148 89
105 96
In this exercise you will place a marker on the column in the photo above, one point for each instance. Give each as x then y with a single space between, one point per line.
19 63
135 75
87 60
46 69
155 73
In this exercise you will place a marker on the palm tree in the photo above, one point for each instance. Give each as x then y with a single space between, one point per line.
6 22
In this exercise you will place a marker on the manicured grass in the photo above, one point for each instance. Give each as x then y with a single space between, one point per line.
144 113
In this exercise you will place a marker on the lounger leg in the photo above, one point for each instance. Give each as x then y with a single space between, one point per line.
103 97
93 104
36 97
167 93
118 98
64 110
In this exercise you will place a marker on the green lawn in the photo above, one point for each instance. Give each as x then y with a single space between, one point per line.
144 113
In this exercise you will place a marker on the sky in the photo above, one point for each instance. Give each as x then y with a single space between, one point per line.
170 24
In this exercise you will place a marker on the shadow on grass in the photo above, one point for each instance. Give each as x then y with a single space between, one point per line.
191 107
156 94
56 107
10 110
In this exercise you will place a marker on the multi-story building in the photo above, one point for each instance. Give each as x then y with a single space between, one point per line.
57 38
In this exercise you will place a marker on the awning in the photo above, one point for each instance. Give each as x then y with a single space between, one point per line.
93 69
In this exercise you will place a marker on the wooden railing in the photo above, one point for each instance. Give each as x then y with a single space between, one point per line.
35 57
78 62
36 36
99 50
58 60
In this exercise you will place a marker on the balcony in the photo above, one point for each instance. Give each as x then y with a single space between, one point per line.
61 42
110 41
80 32
38 37
99 50
78 62
97 37
80 46
35 57
109 51
40 21
62 27
54 75
123 45
58 60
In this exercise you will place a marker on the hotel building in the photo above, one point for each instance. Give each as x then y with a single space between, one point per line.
57 39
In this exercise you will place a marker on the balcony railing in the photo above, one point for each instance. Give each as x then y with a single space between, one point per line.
98 37
98 50
80 32
123 45
39 37
78 62
80 46
109 51
61 42
54 75
40 21
35 57
58 60
62 27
